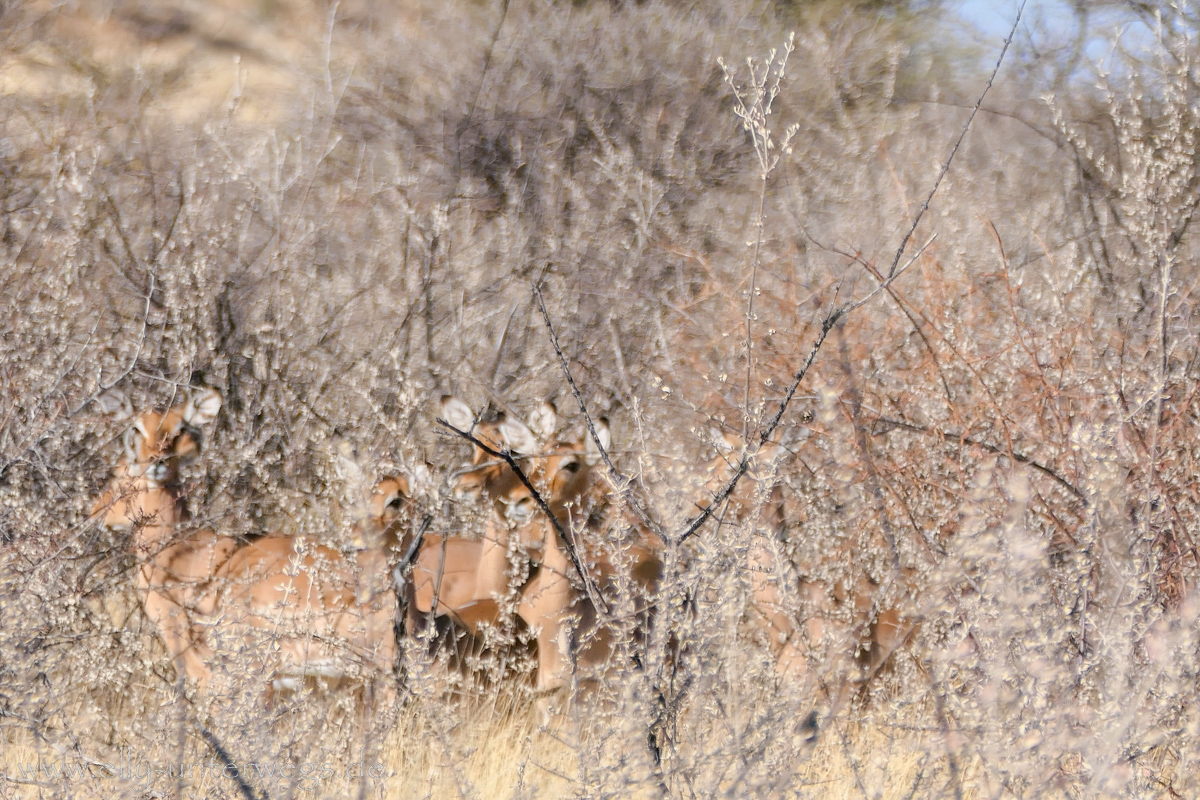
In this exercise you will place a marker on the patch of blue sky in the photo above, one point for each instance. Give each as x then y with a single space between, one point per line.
1053 25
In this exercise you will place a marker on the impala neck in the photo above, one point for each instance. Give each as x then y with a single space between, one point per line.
374 539
153 511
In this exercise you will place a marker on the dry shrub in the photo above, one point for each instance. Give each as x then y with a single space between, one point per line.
997 450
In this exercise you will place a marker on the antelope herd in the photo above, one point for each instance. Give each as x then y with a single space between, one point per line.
557 555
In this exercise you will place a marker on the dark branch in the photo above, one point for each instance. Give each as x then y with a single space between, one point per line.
751 451
958 143
244 787
562 360
411 554
957 438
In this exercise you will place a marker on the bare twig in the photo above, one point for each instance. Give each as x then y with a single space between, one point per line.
487 63
415 547
751 451
245 788
101 387
912 229
753 290
752 105
137 353
1165 261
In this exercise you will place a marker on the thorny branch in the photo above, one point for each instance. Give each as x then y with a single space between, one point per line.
244 787
958 143
958 438
101 386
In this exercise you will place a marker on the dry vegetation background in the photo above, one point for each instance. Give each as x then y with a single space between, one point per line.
336 213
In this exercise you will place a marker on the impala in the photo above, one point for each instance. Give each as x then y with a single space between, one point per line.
174 572
874 633
572 634
466 579
305 610
319 612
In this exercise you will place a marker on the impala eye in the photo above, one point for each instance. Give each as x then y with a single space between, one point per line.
396 502
131 439
189 431
571 466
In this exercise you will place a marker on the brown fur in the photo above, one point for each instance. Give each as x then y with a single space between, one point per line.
319 612
174 576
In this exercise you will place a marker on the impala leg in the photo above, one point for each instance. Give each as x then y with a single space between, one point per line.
381 689
179 636
888 633
545 606
491 576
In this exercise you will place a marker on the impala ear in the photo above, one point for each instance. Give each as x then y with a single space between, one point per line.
115 404
202 407
517 437
457 413
724 442
604 435
348 468
390 492
129 443
544 420
794 437
421 478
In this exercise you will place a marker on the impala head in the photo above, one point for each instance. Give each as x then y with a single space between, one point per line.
487 475
387 509
157 442
501 434
762 472
154 446
565 476
389 498
376 509
730 446
561 470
